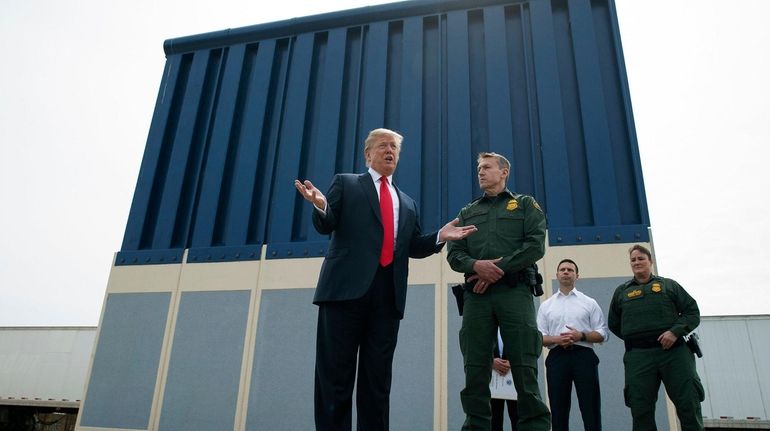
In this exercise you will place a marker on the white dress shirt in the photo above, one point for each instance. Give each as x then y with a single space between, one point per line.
393 195
575 310
377 178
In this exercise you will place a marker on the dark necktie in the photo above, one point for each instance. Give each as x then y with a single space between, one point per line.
386 211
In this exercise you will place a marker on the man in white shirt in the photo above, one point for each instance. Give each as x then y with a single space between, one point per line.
571 323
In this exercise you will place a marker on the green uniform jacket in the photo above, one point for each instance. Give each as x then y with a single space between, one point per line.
509 225
649 309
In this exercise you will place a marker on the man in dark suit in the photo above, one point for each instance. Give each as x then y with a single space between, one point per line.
501 366
361 290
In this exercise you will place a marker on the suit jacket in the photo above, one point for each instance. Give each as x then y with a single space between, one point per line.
354 222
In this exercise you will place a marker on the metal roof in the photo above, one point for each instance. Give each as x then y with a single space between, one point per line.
44 366
243 112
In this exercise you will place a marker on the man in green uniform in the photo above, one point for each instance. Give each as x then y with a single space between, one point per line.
651 314
510 238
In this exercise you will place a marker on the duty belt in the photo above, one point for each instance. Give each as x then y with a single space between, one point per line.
648 343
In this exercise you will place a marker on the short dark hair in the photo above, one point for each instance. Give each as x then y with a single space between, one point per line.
577 271
640 249
502 162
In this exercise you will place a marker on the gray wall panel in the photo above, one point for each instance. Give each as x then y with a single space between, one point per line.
205 366
287 323
284 362
455 370
411 401
125 366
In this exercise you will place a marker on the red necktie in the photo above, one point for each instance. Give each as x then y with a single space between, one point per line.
386 211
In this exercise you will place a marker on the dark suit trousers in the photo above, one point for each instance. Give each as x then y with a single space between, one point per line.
498 413
579 365
363 330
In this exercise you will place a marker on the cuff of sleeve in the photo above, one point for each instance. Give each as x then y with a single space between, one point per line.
322 211
469 268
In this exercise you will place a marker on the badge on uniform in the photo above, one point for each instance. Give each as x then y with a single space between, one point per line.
634 293
512 205
656 288
537 205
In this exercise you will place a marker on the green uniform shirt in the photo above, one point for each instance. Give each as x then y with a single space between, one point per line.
652 308
509 226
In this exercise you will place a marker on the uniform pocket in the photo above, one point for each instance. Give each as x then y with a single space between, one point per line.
699 389
511 225
479 240
526 345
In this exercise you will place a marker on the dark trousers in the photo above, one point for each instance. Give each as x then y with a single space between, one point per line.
675 367
498 414
363 330
513 311
578 365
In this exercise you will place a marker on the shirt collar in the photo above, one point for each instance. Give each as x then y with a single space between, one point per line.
574 291
505 193
652 277
376 176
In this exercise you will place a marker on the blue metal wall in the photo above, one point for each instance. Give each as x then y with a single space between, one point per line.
241 113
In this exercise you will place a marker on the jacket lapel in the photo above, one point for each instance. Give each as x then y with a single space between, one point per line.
367 185
401 214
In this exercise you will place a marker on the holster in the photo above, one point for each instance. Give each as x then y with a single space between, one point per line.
458 292
691 340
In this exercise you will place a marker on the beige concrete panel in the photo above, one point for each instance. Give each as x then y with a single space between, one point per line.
595 260
304 273
242 403
165 357
441 413
427 270
143 278
247 361
450 276
673 421
219 276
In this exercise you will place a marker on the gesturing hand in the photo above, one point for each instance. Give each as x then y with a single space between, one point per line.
452 232
310 193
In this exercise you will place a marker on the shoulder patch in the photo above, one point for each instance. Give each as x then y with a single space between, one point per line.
536 205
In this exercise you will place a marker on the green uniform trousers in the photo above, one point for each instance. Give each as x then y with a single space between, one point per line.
513 310
646 368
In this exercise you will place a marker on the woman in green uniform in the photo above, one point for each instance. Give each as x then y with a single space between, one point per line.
651 314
